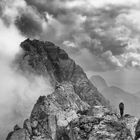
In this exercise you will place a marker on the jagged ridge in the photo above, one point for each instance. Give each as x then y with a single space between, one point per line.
45 57
62 115
75 110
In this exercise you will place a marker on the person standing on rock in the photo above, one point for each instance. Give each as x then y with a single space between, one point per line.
121 107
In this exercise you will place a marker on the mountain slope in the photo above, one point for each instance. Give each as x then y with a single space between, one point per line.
45 58
99 82
75 110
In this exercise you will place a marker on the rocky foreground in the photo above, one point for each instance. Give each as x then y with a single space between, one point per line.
75 110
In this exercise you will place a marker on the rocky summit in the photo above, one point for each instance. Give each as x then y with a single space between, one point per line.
75 110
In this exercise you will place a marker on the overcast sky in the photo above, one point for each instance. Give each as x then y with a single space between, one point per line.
101 35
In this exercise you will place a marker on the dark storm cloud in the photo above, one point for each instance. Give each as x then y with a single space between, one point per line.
78 25
96 18
27 19
1 9
108 43
100 26
86 27
28 25
53 7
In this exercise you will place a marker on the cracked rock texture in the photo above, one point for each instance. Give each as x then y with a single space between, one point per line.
75 110
46 58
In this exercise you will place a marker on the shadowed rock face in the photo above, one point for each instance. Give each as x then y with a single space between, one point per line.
46 58
75 110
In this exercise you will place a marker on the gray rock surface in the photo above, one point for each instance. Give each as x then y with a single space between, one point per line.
45 58
60 116
75 110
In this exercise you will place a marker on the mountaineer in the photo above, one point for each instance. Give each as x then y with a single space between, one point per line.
121 107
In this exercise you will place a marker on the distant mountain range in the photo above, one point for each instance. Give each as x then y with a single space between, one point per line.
115 95
99 82
137 94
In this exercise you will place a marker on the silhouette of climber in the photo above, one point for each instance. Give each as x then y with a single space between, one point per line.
121 107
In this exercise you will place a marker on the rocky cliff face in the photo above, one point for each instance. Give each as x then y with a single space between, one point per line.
75 110
46 58
62 115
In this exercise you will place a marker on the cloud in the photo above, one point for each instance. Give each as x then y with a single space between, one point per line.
100 35
28 25
98 26
9 40
11 9
111 59
88 61
18 93
102 3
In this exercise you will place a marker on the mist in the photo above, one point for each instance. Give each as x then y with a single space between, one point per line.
18 91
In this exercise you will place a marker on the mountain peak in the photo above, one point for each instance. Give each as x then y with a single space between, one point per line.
45 58
75 110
